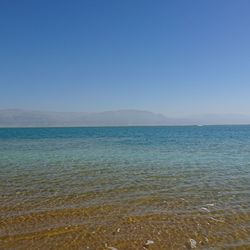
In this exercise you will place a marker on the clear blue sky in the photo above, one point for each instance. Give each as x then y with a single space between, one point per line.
176 57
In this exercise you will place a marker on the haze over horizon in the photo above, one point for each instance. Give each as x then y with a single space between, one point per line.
31 118
178 58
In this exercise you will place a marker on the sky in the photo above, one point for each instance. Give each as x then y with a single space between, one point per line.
173 57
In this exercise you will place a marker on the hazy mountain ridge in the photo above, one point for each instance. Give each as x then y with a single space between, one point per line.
27 118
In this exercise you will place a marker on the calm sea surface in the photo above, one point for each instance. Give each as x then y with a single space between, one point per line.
125 187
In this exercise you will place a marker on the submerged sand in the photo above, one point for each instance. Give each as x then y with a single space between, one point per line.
127 226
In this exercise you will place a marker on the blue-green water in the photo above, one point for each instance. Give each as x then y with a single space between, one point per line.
138 171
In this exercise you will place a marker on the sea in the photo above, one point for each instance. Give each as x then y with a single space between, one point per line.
121 188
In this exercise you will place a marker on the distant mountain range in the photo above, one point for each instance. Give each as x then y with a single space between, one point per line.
27 118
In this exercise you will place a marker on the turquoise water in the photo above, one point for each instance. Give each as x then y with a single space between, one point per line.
147 170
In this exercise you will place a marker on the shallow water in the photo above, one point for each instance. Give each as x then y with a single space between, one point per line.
94 188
